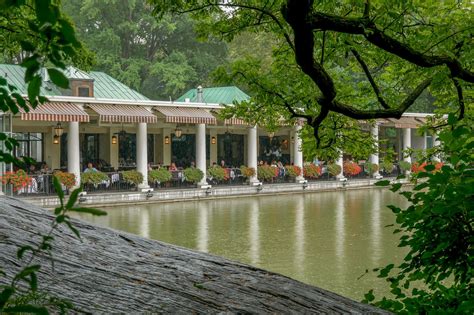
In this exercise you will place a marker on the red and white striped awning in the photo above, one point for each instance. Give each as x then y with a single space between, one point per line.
184 115
55 111
118 113
234 121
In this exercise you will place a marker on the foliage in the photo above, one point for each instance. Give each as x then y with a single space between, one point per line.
247 172
161 175
34 34
159 58
18 179
14 297
217 172
311 171
437 229
65 178
351 168
193 175
293 170
325 61
387 166
266 172
334 169
94 178
404 165
371 168
132 177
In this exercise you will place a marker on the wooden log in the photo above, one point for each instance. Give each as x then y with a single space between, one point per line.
108 271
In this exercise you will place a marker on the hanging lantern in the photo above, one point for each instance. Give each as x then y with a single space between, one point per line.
56 139
178 133
58 130
271 134
114 139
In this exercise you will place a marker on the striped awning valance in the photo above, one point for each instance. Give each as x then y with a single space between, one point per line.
184 115
234 121
55 111
118 113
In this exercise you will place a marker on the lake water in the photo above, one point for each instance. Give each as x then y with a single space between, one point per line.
325 239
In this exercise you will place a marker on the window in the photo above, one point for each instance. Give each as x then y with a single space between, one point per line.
83 91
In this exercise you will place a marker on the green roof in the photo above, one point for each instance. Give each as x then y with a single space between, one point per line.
219 95
104 85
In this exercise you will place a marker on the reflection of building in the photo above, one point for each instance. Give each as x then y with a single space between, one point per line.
102 121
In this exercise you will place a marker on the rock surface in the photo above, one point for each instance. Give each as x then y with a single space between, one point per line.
114 272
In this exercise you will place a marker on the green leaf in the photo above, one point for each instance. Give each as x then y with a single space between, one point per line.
58 78
90 211
73 198
382 183
429 167
72 228
5 295
33 309
21 251
396 187
27 271
59 190
34 89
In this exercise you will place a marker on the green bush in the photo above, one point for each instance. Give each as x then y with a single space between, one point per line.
334 169
405 166
161 175
132 177
193 175
387 165
371 168
265 172
94 178
217 172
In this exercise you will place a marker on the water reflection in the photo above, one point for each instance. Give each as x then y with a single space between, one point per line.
254 233
325 239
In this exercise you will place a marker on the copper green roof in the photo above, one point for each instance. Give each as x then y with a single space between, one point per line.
104 85
219 95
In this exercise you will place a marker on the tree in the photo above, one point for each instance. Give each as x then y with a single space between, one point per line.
361 59
159 58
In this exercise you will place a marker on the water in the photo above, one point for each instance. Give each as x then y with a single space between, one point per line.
325 239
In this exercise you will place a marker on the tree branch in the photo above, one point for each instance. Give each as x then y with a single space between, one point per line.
460 98
370 78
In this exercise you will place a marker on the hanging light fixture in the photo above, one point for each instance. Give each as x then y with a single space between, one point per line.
167 140
58 130
56 139
271 134
114 139
178 132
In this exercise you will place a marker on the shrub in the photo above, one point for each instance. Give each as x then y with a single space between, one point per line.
67 179
193 175
293 170
132 177
218 173
265 172
18 179
387 166
311 171
351 168
404 165
93 178
161 175
334 169
247 172
371 168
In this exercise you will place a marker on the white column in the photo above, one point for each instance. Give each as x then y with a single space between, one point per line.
340 162
298 151
73 163
201 151
406 144
252 153
437 145
142 154
374 158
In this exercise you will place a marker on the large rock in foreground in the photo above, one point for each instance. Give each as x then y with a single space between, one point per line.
115 272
